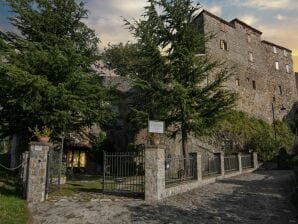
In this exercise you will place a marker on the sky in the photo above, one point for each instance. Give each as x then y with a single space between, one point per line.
277 19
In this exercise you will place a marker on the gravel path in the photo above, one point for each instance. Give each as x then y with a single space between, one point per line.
260 197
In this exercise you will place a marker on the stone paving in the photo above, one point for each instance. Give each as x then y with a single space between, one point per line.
260 197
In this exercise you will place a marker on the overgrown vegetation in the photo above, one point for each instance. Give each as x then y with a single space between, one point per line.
248 133
13 208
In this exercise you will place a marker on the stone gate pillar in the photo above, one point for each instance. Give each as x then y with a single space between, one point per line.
239 162
255 160
37 172
154 173
222 163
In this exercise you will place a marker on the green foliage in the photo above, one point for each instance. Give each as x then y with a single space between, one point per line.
44 131
294 161
123 58
249 133
3 146
169 77
47 76
102 143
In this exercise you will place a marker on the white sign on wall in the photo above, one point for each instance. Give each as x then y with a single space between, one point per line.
156 127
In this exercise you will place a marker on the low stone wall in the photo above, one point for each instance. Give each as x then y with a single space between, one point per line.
155 188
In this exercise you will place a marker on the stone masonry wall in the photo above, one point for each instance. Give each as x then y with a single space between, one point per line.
36 185
270 83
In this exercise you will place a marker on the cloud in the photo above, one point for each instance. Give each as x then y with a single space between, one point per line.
106 17
280 17
272 4
249 19
217 10
286 38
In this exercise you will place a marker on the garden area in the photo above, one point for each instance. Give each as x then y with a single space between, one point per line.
13 207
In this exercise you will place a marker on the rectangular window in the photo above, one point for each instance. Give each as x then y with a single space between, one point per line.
237 81
288 68
254 86
280 90
274 50
276 65
248 38
223 45
250 56
285 53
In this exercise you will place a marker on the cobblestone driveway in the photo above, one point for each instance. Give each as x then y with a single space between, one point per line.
260 197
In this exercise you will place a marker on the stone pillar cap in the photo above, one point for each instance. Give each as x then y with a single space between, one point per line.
40 143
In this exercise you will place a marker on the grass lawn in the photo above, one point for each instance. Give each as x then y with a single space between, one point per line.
13 208
74 187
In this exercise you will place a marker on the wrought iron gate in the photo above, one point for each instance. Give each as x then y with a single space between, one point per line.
124 172
55 170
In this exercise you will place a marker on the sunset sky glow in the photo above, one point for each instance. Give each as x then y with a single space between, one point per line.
277 19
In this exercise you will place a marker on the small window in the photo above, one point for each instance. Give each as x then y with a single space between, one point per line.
237 81
280 90
285 53
250 56
248 38
247 79
276 65
223 45
288 68
274 50
254 86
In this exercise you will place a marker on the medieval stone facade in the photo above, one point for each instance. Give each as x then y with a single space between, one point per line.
264 78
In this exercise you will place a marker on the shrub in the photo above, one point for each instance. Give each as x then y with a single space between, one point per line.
249 133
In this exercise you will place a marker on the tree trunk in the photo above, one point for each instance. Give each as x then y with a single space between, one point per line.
185 152
13 150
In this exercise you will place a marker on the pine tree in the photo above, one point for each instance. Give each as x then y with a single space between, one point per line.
171 78
47 75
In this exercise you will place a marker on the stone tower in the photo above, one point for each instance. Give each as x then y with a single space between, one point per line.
264 79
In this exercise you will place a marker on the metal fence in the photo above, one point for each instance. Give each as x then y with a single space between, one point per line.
247 161
179 169
56 170
231 163
124 172
211 165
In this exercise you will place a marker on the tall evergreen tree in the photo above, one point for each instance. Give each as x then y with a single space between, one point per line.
47 75
175 84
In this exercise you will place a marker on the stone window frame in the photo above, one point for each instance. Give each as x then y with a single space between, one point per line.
249 38
274 48
237 82
223 45
250 56
285 53
288 68
276 66
254 84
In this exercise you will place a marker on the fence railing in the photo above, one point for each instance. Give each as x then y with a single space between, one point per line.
124 172
247 161
231 163
179 169
210 165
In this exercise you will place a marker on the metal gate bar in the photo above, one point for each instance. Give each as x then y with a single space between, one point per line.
124 172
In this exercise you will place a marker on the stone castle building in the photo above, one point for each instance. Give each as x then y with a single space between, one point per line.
264 79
